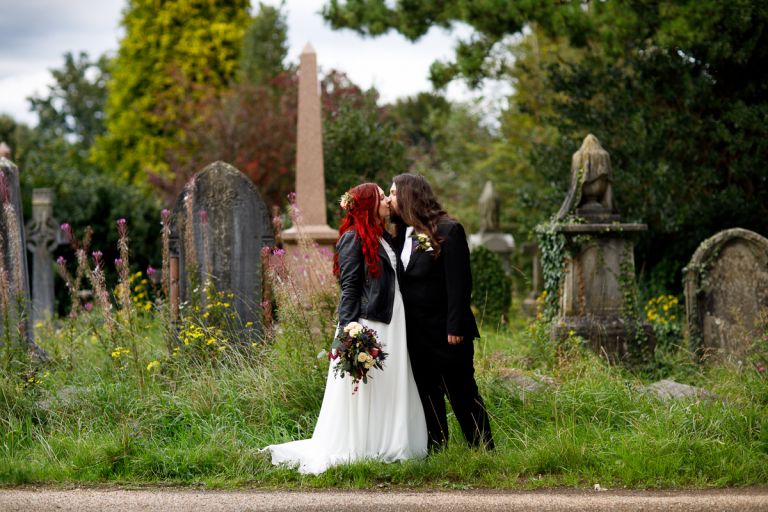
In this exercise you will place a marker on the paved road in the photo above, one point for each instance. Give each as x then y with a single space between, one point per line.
172 500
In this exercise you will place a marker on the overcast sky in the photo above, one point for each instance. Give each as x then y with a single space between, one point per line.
35 34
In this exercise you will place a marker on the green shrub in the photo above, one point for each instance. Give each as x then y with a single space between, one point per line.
491 290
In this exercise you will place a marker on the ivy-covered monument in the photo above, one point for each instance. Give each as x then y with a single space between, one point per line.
588 263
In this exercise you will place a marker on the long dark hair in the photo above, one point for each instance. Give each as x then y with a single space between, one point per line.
417 206
362 217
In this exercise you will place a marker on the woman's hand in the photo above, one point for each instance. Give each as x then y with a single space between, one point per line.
455 340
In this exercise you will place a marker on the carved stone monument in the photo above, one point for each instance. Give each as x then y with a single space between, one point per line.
14 295
310 177
726 293
490 235
218 227
597 295
43 236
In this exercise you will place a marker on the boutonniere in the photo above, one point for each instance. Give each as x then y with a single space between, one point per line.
423 243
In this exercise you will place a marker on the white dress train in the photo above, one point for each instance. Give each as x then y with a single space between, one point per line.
384 420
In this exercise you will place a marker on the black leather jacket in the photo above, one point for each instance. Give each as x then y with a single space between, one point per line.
363 296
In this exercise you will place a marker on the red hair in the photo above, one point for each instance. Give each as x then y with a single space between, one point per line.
362 217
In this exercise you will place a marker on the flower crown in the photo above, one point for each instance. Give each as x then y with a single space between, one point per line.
346 201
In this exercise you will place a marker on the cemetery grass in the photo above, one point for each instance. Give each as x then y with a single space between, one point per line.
88 419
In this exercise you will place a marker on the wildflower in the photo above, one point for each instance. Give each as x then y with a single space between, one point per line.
61 261
571 333
203 216
122 227
292 197
279 252
265 251
151 271
97 257
152 365
118 262
88 306
67 230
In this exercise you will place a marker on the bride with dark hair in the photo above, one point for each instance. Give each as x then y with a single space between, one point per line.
436 284
383 419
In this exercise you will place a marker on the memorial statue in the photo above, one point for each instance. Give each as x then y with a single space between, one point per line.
591 193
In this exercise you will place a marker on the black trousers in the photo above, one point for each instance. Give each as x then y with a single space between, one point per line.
455 380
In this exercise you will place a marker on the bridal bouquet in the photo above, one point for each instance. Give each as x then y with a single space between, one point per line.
356 350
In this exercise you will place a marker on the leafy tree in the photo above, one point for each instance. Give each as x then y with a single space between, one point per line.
359 145
677 92
167 47
74 105
265 45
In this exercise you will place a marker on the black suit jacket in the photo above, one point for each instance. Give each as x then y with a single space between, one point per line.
436 293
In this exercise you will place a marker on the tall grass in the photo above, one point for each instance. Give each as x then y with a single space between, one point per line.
90 417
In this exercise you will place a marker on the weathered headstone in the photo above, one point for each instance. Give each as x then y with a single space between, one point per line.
530 305
13 268
597 299
310 177
218 227
490 235
43 236
726 292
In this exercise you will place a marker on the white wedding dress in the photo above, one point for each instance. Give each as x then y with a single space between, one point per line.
383 420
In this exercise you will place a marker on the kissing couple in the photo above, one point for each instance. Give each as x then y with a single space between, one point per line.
413 289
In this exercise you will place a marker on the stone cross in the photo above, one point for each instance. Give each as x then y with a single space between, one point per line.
310 178
218 227
726 293
43 236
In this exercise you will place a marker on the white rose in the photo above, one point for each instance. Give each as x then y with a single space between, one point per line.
362 357
353 328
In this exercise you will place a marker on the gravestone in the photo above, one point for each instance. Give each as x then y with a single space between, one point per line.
218 227
597 296
310 177
490 235
13 267
43 236
726 293
530 306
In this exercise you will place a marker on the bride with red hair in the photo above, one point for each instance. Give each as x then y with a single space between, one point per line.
384 419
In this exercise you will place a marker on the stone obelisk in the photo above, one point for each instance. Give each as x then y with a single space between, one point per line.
310 178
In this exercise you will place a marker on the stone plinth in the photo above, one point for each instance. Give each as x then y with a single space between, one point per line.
598 282
726 293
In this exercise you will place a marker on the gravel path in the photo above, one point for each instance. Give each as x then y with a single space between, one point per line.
171 500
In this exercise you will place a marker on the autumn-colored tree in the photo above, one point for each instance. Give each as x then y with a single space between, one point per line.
168 48
253 127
